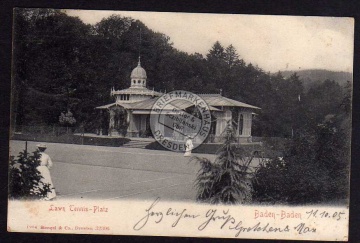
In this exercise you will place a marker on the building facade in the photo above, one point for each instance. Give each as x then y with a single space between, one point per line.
129 115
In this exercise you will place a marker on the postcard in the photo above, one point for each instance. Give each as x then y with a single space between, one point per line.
180 124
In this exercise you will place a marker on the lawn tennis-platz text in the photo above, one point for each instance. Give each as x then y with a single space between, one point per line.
166 113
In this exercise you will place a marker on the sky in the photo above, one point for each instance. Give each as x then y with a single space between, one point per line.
272 43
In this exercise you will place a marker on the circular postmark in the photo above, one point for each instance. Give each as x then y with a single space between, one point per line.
177 116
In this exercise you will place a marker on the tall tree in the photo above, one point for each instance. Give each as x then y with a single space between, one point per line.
217 51
232 58
217 68
228 179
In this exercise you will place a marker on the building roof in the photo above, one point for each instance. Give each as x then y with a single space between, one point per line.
105 106
138 72
219 100
148 104
213 101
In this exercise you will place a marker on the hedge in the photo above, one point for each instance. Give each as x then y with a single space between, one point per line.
208 148
72 139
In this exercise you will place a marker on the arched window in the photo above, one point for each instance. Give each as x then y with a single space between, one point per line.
134 82
139 81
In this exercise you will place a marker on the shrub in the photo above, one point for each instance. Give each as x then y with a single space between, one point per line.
228 179
25 179
314 169
268 186
73 139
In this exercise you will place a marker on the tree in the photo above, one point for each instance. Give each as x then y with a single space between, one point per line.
347 98
67 119
217 51
232 58
314 169
51 55
24 179
113 27
324 99
228 179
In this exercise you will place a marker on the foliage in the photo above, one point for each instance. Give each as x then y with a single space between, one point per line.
315 168
113 27
24 178
228 179
67 118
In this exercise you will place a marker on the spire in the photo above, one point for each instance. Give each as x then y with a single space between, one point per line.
139 64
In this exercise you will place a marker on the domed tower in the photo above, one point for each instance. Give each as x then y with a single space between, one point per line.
138 77
137 90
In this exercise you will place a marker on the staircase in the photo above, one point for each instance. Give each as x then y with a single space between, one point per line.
138 143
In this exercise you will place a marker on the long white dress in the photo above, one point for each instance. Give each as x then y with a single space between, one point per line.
43 168
189 146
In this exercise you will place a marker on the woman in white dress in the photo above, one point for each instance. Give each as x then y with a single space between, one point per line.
189 146
43 168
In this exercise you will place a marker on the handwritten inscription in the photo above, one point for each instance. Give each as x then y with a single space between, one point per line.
322 214
225 220
158 216
231 223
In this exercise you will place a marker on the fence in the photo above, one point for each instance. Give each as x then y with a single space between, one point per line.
47 130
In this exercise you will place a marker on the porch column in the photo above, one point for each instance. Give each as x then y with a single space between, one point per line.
111 122
143 123
219 123
250 123
239 125
101 123
131 126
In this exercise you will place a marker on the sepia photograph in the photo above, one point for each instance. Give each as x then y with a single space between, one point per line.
180 124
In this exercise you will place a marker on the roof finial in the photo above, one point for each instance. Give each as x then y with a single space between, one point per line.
220 91
139 64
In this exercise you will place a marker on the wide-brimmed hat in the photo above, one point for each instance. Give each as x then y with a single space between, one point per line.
41 145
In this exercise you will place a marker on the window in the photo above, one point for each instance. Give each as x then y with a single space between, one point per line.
139 81
241 124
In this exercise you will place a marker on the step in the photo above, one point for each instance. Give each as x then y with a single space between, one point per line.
137 144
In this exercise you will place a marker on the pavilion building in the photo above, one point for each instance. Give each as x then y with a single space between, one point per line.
129 115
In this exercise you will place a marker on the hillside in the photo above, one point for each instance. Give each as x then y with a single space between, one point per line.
310 76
